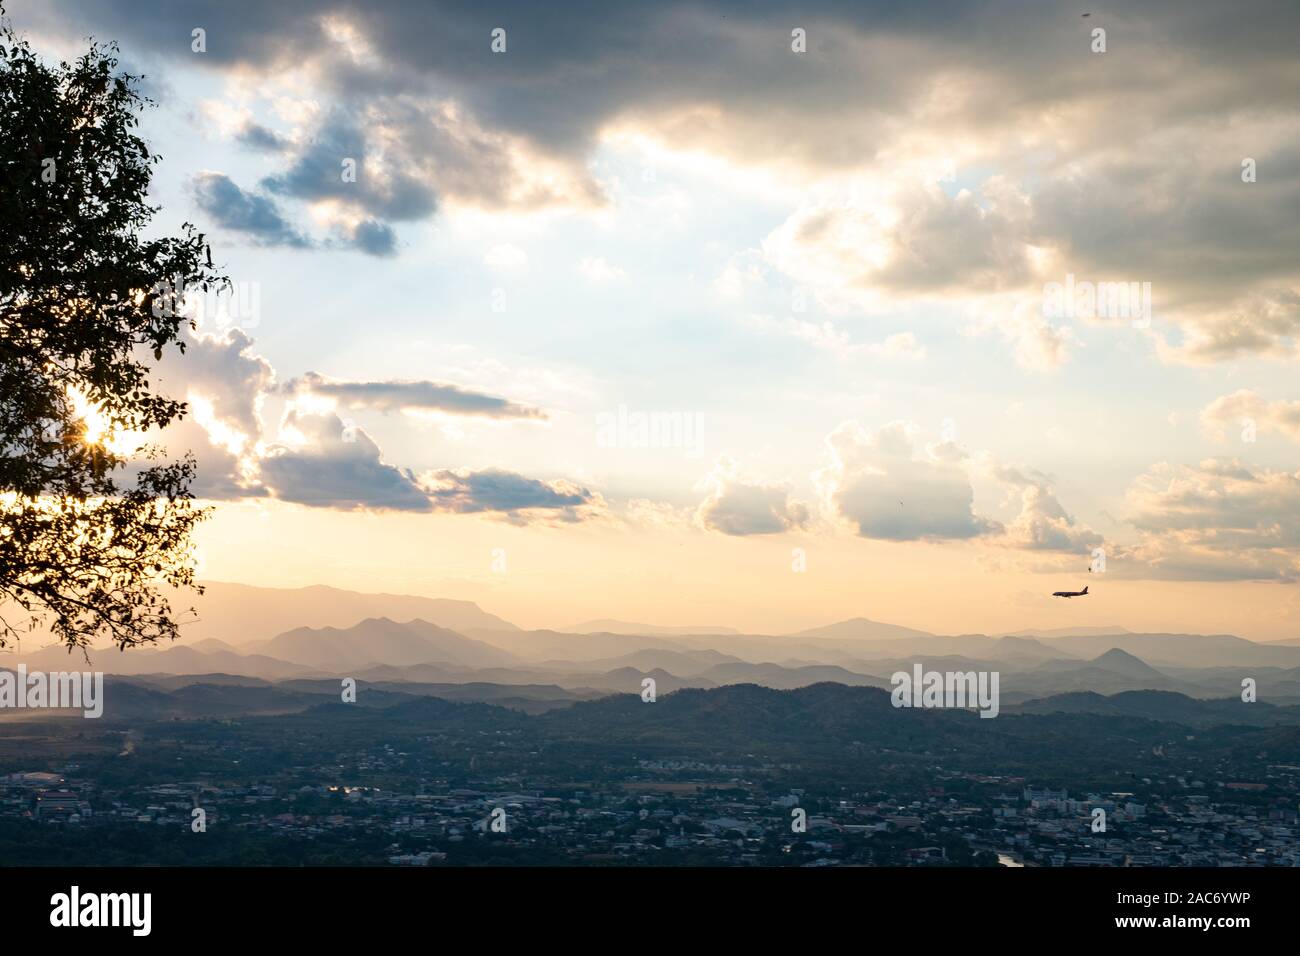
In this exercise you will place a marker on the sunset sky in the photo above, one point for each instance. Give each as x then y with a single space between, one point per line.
828 267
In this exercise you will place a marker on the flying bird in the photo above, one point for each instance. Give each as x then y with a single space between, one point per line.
1070 594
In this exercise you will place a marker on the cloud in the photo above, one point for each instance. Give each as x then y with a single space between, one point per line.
1042 524
1265 325
224 370
374 238
1037 344
255 216
1217 252
422 396
1244 408
223 382
1170 559
321 460
1218 520
406 154
522 499
262 138
985 163
334 165
222 473
886 487
731 84
911 238
259 218
735 506
336 466
645 513
909 244
233 120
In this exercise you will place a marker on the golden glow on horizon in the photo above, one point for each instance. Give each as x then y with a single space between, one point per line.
555 577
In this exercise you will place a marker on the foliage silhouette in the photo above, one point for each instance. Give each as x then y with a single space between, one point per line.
85 301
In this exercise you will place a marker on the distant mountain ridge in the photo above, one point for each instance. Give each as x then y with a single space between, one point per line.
863 628
1115 660
1164 705
611 626
382 641
616 655
735 710
240 614
1070 631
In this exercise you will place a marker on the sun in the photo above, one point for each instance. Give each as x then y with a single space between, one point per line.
99 429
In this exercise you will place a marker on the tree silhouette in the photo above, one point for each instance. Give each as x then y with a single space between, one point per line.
84 303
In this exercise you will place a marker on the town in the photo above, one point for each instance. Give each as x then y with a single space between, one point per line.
506 797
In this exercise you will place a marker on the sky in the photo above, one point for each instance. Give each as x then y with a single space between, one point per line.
754 315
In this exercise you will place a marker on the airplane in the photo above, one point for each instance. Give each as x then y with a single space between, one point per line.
1070 594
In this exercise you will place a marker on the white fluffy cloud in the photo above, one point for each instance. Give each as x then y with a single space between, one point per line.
1245 408
738 506
887 487
333 465
1042 523
1217 520
909 239
224 382
320 459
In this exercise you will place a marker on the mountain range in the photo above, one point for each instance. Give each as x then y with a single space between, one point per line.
319 633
